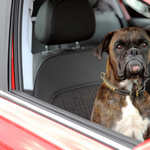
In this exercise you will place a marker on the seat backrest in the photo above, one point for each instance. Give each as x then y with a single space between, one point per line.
59 22
70 80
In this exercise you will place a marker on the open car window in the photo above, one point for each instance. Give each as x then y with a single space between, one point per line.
59 77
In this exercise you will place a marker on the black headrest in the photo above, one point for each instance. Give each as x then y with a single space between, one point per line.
64 21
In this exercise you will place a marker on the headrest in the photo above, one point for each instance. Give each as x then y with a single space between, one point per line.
64 21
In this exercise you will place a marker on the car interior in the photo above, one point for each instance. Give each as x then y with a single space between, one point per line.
64 35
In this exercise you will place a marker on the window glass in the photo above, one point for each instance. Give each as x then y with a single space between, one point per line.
26 46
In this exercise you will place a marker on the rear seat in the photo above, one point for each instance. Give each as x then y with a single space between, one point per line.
69 78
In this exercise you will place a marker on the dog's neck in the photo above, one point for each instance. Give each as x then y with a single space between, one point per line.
131 84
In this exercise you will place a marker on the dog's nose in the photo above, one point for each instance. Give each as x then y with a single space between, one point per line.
134 52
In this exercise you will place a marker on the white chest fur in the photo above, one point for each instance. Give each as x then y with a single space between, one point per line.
131 124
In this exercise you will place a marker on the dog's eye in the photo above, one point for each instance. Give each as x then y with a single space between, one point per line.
144 45
119 46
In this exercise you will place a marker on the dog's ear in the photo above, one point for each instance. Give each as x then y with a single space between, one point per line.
103 46
148 33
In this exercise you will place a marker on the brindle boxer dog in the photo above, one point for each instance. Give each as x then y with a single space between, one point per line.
122 103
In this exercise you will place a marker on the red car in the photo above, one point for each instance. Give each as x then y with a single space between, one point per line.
49 76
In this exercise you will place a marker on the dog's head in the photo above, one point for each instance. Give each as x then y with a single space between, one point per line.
129 51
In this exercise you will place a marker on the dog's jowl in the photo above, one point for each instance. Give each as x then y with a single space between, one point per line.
122 103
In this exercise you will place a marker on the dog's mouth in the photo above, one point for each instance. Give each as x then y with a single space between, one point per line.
134 68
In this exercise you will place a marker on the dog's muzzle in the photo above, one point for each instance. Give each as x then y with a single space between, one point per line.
133 64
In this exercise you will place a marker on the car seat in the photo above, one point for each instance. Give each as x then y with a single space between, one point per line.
67 78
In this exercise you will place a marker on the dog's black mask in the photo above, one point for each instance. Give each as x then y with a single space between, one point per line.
128 49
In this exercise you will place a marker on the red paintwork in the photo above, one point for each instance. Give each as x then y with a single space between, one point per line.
21 129
13 137
12 66
143 146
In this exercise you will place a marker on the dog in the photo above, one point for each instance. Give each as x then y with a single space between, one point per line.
122 103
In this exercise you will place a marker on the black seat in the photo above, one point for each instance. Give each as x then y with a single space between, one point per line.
67 78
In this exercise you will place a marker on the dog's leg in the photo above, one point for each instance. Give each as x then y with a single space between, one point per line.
96 116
